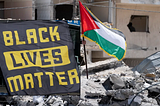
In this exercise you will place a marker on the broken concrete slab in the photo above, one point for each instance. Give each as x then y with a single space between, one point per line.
120 94
101 65
94 93
113 82
117 82
85 103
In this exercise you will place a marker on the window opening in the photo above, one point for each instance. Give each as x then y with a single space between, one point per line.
64 12
138 23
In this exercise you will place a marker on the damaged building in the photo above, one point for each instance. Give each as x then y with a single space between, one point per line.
143 14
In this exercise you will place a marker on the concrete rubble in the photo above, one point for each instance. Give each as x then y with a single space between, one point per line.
109 83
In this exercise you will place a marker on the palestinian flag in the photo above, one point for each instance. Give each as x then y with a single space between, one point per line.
112 41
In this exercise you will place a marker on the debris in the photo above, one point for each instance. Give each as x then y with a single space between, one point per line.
101 65
117 82
121 94
38 99
136 102
93 94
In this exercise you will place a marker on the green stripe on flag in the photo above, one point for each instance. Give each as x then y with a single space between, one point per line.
107 46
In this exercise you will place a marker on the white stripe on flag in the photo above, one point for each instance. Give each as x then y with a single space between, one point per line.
110 36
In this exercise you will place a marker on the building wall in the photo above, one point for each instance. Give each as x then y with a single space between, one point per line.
44 12
141 1
137 41
23 14
139 44
100 10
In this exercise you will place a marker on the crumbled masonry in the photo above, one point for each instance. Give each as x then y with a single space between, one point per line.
109 83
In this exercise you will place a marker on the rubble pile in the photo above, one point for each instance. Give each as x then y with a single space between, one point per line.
118 85
109 83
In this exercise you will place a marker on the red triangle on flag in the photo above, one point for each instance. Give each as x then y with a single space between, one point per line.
87 21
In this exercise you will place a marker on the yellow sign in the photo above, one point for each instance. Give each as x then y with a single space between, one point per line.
28 79
48 57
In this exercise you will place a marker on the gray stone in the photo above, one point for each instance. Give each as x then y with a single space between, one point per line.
148 104
85 103
117 82
113 82
115 104
75 100
93 93
135 102
119 103
121 94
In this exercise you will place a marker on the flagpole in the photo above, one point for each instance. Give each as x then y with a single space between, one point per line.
85 58
84 51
